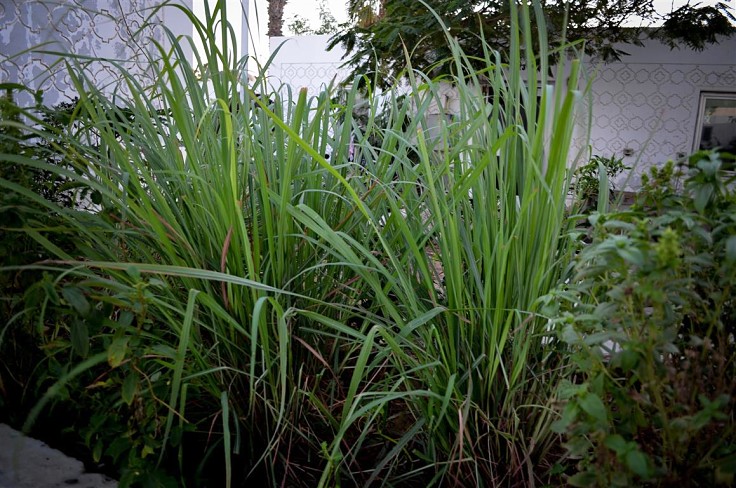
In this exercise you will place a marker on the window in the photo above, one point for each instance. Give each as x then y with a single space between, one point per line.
716 128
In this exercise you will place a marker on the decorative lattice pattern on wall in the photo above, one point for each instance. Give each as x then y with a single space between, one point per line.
651 108
313 76
111 29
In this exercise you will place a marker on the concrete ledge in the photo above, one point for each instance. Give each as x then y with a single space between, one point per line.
29 463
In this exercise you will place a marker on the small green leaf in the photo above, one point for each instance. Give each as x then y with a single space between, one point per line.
598 338
731 249
147 450
50 292
133 272
80 337
702 196
569 414
670 348
629 360
593 406
570 335
97 451
578 446
633 255
606 309
156 283
637 462
616 443
130 387
557 469
568 389
117 350
164 350
76 299
126 318
585 478
118 446
619 225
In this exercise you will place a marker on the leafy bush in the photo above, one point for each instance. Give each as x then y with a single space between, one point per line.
20 212
649 319
589 178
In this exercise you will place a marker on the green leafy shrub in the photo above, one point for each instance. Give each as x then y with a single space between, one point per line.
58 321
34 134
649 319
589 178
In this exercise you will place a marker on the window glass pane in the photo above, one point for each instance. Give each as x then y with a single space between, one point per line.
718 128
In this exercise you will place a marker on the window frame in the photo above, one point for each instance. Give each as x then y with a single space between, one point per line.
704 96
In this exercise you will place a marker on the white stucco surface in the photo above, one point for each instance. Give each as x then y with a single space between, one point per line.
305 62
94 34
646 105
648 102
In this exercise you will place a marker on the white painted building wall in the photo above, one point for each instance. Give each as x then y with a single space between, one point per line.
647 103
118 31
305 62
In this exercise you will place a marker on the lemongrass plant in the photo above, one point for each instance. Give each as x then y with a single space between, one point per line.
324 322
476 234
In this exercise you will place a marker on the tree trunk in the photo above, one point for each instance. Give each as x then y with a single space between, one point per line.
276 17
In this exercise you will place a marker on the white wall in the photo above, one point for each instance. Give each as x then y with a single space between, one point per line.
303 61
649 101
108 29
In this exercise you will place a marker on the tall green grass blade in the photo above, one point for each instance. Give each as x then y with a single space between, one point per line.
184 338
225 404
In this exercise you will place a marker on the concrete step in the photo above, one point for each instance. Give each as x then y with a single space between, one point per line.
29 463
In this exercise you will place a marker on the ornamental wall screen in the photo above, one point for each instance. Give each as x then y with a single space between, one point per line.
32 31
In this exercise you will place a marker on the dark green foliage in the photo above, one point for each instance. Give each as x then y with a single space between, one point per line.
116 405
300 26
588 179
649 319
37 132
377 39
18 357
695 26
53 322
